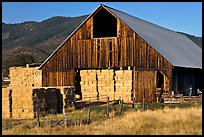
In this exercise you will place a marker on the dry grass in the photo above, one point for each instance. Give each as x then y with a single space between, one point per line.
187 121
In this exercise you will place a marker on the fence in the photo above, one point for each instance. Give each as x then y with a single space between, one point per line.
102 108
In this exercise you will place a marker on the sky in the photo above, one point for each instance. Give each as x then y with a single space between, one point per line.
178 16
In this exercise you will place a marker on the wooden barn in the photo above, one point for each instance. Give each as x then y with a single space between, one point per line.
116 54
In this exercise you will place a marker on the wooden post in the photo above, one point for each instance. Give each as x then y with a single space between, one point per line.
121 106
107 106
181 98
89 118
38 117
133 105
65 119
37 110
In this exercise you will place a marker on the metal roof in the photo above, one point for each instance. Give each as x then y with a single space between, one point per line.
176 48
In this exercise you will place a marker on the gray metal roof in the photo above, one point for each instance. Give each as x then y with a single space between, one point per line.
178 49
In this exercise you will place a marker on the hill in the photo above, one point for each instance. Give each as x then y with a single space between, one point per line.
36 39
30 41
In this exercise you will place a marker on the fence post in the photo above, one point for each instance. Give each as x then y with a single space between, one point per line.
107 106
37 110
181 98
133 105
89 118
38 117
121 106
65 119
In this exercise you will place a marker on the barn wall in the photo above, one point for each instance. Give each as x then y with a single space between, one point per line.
82 51
55 78
144 85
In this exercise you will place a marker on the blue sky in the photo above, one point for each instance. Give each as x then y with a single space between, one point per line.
179 16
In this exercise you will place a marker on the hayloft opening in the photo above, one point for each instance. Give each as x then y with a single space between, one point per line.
104 24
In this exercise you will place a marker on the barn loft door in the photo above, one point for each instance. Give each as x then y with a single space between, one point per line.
104 24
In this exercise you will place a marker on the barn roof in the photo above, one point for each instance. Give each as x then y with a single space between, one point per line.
178 49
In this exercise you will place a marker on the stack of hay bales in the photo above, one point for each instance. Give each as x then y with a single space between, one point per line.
22 103
69 97
123 79
24 77
51 98
6 108
39 101
106 83
88 84
22 80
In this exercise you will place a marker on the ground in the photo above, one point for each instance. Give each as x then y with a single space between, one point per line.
157 119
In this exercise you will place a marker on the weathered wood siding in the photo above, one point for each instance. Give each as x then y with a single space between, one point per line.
128 49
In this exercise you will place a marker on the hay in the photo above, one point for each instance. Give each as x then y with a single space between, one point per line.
6 103
123 79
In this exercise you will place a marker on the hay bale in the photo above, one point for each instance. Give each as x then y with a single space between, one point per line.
51 100
123 85
21 76
6 103
22 103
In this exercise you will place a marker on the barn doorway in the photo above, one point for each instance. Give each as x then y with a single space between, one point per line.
160 80
159 85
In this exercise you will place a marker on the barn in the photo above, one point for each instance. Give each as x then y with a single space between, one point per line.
116 54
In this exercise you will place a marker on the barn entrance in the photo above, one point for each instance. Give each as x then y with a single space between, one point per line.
187 81
160 80
159 85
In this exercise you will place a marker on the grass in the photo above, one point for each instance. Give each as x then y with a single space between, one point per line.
158 119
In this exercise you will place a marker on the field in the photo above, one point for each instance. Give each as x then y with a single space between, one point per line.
158 119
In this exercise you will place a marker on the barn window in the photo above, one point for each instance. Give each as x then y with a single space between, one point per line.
104 24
